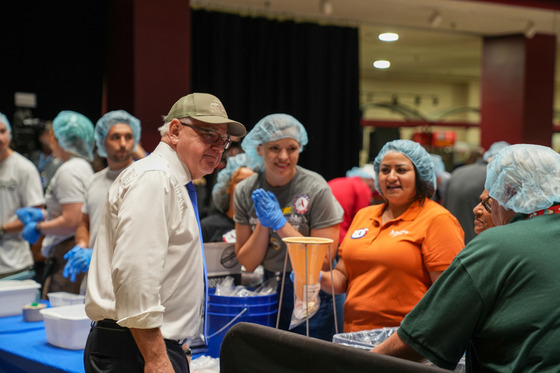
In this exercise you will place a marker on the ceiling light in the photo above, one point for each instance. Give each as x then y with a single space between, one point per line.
530 30
435 19
388 36
381 64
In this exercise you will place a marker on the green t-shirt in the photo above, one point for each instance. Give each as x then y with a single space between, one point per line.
499 301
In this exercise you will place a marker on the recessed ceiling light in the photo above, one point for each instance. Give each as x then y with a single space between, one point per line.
388 36
381 64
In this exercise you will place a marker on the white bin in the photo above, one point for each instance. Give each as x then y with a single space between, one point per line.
15 294
62 298
67 326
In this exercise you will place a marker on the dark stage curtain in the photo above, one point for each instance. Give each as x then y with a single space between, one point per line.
258 66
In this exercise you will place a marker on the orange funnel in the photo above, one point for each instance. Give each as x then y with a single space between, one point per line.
306 255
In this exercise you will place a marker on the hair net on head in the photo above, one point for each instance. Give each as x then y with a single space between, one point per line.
107 121
439 167
4 119
219 191
271 128
415 152
524 178
494 149
365 172
74 133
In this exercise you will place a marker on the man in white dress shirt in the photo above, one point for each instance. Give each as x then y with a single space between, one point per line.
146 285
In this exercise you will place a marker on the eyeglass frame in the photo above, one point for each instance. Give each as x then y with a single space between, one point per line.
487 205
226 140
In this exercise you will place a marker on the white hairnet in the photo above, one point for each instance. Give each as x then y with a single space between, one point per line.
74 133
365 172
439 167
4 119
220 196
524 178
271 128
415 152
107 121
494 149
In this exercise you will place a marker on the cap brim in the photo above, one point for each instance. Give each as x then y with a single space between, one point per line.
234 128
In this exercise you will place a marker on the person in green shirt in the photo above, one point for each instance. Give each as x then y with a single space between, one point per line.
498 300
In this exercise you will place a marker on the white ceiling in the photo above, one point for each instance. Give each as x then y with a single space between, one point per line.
449 51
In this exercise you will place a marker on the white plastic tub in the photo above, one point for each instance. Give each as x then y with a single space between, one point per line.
16 294
62 298
67 326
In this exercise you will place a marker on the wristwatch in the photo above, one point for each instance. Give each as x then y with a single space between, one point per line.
188 352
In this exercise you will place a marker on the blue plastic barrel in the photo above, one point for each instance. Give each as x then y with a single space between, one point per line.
224 312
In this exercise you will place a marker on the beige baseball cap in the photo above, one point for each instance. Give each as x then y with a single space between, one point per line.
205 108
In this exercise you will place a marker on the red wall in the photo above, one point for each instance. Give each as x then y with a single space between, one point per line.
149 60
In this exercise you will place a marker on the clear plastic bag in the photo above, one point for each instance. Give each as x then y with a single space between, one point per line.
227 289
368 339
307 307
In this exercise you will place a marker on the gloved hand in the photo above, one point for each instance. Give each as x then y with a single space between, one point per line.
78 260
30 214
268 209
29 233
293 280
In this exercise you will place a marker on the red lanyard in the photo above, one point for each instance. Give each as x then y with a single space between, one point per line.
549 211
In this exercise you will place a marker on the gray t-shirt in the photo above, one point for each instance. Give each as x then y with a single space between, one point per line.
67 186
96 195
307 203
20 186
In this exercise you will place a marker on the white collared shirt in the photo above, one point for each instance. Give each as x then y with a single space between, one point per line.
147 265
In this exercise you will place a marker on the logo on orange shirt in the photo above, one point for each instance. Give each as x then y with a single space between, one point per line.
395 233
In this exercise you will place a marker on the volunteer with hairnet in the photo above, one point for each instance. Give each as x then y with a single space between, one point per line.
284 200
116 135
72 142
442 178
464 188
220 227
499 299
394 252
20 185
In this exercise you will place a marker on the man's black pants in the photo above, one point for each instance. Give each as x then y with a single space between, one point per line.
111 348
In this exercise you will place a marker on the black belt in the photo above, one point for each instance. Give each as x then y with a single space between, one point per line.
112 324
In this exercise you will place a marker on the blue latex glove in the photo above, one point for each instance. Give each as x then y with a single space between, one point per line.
29 233
268 209
30 214
78 260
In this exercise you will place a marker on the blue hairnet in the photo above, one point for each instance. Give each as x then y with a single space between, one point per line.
107 121
219 191
74 133
365 172
439 167
271 128
4 119
494 149
415 152
524 178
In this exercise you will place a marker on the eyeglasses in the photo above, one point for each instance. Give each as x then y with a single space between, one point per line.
211 136
486 203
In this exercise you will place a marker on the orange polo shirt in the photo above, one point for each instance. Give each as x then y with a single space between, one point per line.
388 266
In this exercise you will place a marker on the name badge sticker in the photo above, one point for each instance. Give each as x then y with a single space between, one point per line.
359 233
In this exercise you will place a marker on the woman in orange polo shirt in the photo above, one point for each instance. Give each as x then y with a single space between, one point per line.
393 252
